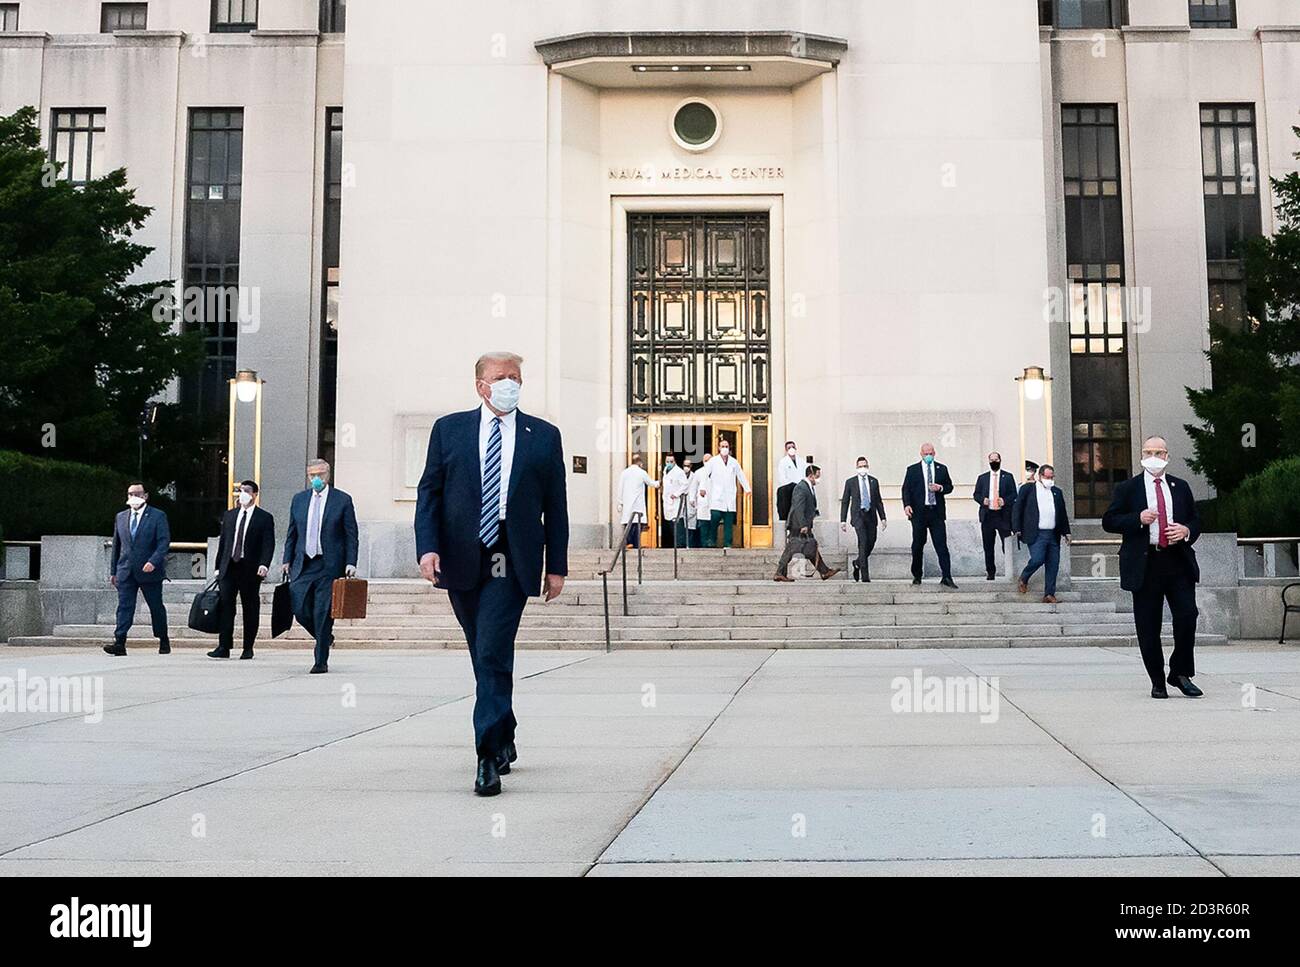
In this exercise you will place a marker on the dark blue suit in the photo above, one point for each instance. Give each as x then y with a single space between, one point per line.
149 545
1044 545
489 587
1155 575
926 518
994 523
311 580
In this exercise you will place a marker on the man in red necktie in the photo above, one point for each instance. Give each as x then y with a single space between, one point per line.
1156 515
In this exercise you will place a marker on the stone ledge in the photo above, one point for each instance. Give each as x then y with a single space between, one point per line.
692 44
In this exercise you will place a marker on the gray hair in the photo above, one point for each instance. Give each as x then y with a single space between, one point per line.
318 462
498 357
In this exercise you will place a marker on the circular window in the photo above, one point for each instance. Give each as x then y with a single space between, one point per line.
696 124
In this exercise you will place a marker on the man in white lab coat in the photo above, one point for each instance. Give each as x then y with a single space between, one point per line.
788 473
724 473
671 494
631 498
697 506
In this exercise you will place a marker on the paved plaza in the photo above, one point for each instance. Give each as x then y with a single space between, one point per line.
656 762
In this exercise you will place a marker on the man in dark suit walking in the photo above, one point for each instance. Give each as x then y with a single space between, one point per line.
799 528
491 503
862 506
924 486
1156 515
1041 521
141 537
243 557
320 547
995 492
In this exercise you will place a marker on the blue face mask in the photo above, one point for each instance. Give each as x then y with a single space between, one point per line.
505 395
928 458
317 484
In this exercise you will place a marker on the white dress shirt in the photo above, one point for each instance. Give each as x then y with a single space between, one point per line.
1154 529
507 448
995 490
242 521
927 477
1046 507
313 526
723 477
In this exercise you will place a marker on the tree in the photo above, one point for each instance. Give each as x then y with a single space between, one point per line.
1250 417
81 348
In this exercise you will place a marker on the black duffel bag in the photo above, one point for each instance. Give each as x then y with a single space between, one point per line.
205 612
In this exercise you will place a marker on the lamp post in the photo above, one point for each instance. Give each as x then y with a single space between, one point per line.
246 387
1035 385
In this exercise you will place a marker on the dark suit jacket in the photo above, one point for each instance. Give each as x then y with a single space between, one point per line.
1024 518
851 501
914 490
149 546
1123 517
450 496
259 537
338 533
1006 490
803 508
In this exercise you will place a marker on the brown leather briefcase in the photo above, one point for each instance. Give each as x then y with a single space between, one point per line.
349 598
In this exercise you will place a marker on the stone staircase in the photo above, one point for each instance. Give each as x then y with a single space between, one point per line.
724 599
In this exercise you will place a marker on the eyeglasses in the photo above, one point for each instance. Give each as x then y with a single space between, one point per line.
1155 453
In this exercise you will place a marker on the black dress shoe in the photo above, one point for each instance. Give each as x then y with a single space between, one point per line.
916 580
507 755
319 669
1184 685
990 577
219 653
164 648
488 780
1159 691
117 649
948 583
246 654
857 576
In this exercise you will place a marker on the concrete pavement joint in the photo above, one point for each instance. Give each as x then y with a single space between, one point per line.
669 774
1098 773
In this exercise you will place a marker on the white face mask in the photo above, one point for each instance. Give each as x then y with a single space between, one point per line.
245 498
791 451
724 452
135 503
862 471
1154 464
505 395
1046 483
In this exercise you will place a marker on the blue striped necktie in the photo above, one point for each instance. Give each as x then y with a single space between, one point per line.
489 523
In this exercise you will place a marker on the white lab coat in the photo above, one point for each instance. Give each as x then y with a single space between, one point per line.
721 488
789 471
692 500
631 493
671 493
701 482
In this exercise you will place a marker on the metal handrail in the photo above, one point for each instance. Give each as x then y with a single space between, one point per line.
681 517
1243 541
620 554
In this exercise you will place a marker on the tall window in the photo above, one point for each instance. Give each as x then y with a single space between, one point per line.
123 16
211 296
333 16
1230 176
329 344
8 17
1097 303
76 143
233 16
1212 13
1083 13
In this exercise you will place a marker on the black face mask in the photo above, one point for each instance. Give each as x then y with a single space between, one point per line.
995 465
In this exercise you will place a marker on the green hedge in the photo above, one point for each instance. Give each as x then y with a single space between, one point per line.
1266 504
43 496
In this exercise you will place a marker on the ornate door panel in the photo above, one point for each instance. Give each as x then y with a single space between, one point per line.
699 332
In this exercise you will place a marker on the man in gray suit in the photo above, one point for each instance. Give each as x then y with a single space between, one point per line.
799 525
141 537
862 505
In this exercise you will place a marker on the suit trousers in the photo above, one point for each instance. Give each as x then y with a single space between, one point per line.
153 597
992 527
1045 552
927 519
489 615
865 527
1166 579
312 593
800 544
239 581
